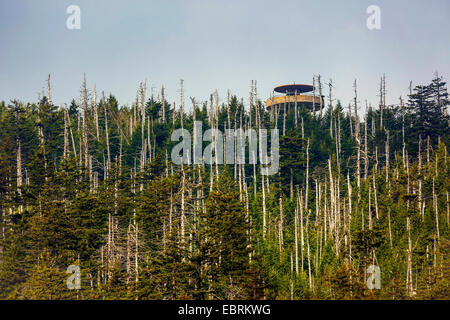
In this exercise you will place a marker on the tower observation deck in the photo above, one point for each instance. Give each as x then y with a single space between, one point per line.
292 94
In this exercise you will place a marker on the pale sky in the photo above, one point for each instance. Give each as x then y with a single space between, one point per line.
220 44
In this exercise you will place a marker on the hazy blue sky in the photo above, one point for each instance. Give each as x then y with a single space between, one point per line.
220 44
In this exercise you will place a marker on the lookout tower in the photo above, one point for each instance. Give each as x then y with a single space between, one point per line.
295 93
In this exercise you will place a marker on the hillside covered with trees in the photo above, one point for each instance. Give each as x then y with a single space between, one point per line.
92 184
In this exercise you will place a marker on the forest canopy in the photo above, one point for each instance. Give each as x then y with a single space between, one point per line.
92 185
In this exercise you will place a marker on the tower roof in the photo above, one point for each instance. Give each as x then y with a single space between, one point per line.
292 88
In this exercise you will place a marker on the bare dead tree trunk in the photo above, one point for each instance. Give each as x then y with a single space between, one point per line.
448 209
409 281
284 116
142 91
330 102
228 109
71 135
254 173
375 196
96 113
295 109
280 228
163 100
320 94
48 90
358 139
136 252
402 107
389 226
263 204
108 152
369 216
350 118
216 123
382 101
349 186
296 238
40 131
387 156
339 140
366 155
314 95
66 135
302 242
309 258
183 181
307 177
435 202
84 100
19 167
128 266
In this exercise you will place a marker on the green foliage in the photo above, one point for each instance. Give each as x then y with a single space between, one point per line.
122 220
46 282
